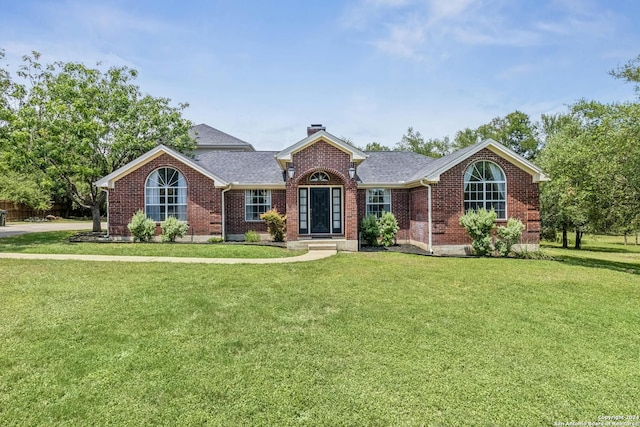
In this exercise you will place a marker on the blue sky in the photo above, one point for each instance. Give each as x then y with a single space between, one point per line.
367 69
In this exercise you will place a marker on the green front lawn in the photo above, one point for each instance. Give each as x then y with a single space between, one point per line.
356 339
56 243
608 252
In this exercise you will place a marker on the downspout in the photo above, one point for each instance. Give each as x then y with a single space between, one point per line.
430 226
107 191
223 228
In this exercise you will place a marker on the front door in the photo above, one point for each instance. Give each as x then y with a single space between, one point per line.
320 210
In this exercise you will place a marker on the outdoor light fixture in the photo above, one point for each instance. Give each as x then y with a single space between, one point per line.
291 171
352 172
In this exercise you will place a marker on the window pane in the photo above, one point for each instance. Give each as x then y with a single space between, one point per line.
485 187
166 195
256 202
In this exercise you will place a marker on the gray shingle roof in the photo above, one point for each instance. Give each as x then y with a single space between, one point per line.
244 167
381 167
450 159
206 136
391 166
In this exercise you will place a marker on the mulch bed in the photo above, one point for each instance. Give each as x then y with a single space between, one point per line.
405 249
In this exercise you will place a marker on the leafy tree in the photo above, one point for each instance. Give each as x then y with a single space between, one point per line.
374 146
20 188
593 161
413 141
629 72
77 124
515 130
465 138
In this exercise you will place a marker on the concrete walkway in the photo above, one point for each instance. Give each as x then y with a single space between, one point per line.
15 228
309 256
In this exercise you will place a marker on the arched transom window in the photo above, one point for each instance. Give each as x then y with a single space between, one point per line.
485 186
166 195
319 177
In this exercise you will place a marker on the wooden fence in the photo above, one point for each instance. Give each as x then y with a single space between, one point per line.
17 212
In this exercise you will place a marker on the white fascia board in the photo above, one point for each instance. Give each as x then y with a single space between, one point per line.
262 186
384 185
286 155
499 149
109 180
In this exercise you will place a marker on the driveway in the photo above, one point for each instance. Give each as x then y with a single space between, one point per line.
15 228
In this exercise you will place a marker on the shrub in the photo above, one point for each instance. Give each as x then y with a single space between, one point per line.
276 224
479 225
370 229
173 228
141 227
509 236
215 240
538 255
388 228
251 236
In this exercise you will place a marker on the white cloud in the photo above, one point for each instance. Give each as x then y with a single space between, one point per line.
416 29
404 39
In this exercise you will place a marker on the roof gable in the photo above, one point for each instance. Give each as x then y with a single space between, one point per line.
209 137
432 172
356 155
110 180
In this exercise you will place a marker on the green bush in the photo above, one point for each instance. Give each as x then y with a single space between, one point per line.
276 224
251 236
388 228
172 228
141 227
215 239
509 236
370 229
479 225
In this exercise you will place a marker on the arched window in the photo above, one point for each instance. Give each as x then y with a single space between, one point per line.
485 186
166 195
319 177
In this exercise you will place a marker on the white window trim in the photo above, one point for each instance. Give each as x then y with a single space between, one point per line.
366 199
186 203
330 187
484 189
246 204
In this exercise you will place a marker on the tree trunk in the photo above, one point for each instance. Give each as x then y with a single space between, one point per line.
95 215
625 239
565 239
578 244
636 238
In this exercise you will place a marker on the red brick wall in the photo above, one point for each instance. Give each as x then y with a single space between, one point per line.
419 224
400 202
448 201
204 213
234 206
322 156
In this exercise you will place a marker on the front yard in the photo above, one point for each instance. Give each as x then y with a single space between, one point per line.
356 339
57 243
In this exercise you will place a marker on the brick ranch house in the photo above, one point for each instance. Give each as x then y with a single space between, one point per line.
326 187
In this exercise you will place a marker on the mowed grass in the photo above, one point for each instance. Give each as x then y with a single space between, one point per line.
56 243
607 252
356 339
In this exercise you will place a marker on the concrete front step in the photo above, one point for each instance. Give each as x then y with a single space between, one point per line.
323 247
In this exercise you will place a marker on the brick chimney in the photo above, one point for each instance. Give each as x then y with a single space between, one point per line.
315 128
